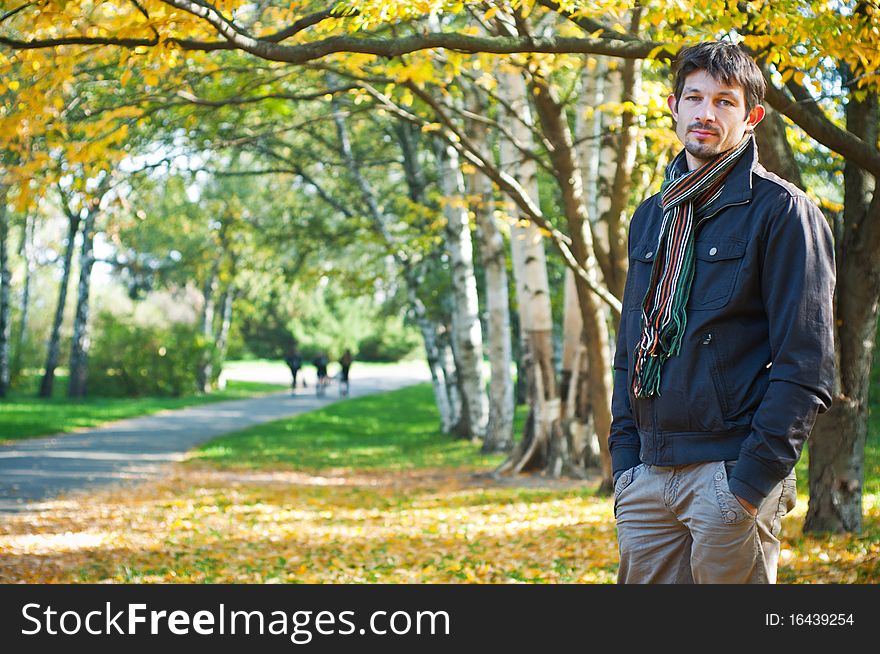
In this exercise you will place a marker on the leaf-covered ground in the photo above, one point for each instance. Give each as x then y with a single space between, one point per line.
201 525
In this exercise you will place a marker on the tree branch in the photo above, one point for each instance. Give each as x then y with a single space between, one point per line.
305 23
12 12
809 117
302 53
192 99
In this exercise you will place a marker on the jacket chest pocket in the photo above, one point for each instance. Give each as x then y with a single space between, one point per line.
716 265
641 263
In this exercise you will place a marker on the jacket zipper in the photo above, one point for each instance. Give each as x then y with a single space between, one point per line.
654 430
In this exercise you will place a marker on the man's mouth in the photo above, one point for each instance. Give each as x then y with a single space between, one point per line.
703 133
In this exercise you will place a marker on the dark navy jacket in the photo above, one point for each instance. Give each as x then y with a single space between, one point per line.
757 361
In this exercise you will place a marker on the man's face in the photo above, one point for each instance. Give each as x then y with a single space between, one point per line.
711 117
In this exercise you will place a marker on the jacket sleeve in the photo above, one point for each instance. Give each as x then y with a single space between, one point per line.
623 440
797 285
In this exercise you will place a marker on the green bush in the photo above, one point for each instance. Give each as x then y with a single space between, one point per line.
393 340
128 359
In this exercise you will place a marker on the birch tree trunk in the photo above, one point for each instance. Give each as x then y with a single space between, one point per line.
222 339
27 251
52 355
588 128
499 430
5 280
568 175
837 444
532 291
433 355
408 138
206 329
624 160
467 334
79 345
450 375
577 415
416 186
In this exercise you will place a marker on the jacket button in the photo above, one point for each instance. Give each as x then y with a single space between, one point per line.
719 476
649 255
713 252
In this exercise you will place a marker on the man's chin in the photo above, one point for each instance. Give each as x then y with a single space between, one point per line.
703 152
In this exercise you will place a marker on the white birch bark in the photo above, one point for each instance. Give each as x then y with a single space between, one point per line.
499 430
428 329
54 347
467 333
433 355
532 288
206 328
27 251
79 345
222 339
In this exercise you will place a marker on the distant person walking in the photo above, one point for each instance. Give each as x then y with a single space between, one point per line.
294 362
345 362
320 362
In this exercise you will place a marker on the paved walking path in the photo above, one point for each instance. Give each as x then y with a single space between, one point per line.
137 449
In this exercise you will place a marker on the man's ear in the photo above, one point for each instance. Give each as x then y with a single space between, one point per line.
672 103
756 115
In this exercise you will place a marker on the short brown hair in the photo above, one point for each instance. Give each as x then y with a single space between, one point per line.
727 63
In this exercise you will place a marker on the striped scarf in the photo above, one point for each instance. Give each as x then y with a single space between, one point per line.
685 196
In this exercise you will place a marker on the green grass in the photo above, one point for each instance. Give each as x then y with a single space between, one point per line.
392 431
23 415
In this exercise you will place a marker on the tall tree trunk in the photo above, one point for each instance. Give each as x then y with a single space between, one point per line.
206 329
589 131
433 355
408 139
609 154
577 415
54 348
499 429
837 445
79 344
452 387
27 252
532 292
222 339
467 334
568 175
5 280
625 157
775 152
222 336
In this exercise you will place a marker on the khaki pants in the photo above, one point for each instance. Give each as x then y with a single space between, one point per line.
682 525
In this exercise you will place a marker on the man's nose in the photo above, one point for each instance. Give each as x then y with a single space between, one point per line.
704 113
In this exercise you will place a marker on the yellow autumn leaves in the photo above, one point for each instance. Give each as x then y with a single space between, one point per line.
431 526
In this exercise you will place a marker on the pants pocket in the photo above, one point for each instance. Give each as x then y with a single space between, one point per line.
625 481
732 512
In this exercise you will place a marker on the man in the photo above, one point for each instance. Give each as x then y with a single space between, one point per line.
294 362
725 352
345 366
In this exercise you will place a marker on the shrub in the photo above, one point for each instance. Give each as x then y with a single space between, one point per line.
128 359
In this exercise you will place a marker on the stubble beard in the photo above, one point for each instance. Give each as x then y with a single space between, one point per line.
702 151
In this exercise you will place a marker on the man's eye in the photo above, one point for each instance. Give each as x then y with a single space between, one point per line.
692 97
726 103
